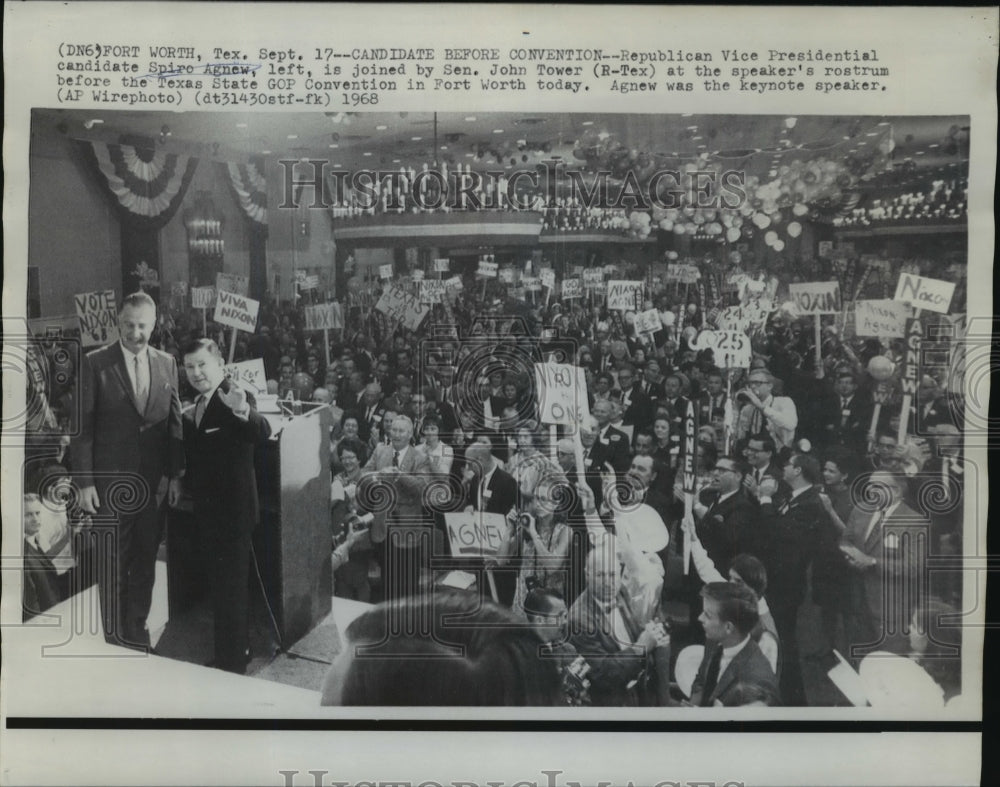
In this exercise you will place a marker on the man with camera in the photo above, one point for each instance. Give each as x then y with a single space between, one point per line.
762 411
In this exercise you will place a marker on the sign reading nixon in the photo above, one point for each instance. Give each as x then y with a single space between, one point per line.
236 311
923 293
816 297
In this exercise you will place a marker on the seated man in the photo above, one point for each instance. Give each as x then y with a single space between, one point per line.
604 631
732 658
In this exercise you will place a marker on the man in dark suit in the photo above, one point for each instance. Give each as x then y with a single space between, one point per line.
404 529
370 411
792 527
612 445
490 490
733 663
843 415
637 409
130 433
886 566
727 523
712 401
760 455
220 434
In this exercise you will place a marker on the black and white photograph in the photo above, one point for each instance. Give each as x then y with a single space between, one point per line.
336 412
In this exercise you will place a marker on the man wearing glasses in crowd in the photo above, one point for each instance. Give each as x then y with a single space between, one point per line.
764 412
728 525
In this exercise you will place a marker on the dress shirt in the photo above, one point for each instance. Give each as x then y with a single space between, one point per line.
728 654
130 363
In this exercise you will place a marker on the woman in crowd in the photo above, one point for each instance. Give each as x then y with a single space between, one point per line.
440 455
351 575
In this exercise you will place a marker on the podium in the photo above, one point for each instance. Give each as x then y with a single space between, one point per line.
292 542
292 539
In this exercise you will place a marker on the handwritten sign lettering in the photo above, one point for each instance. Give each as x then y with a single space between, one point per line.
234 283
385 271
593 278
98 317
885 319
648 321
923 293
432 290
441 265
730 349
203 297
816 297
562 393
572 288
475 533
323 316
249 375
398 304
236 311
624 295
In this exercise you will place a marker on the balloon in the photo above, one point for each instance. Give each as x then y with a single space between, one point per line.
733 234
799 209
881 368
666 225
779 245
770 237
761 220
794 229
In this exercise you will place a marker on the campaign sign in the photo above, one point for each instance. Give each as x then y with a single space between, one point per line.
593 278
882 318
730 349
385 271
532 283
203 297
923 293
398 304
548 277
323 316
432 290
624 295
562 393
236 311
648 321
911 357
249 375
506 275
98 317
475 533
231 282
441 265
816 297
487 270
572 288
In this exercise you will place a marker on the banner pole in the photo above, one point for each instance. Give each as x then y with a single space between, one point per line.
232 345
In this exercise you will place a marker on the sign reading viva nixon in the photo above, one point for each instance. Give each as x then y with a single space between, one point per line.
236 311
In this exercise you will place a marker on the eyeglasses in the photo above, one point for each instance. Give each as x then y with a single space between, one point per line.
759 382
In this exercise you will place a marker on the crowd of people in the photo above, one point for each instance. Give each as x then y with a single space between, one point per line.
805 498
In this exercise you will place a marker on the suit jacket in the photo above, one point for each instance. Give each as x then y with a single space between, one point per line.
408 485
500 495
729 528
220 462
611 446
115 437
591 633
638 408
709 411
793 529
830 425
883 545
749 667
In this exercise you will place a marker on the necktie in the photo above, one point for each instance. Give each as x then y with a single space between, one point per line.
711 678
395 458
141 383
877 520
199 409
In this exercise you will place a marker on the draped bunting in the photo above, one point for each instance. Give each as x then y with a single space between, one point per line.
146 186
250 188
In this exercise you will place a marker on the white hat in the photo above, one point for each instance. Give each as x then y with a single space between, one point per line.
643 527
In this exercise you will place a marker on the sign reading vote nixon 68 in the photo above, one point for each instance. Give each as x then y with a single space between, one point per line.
236 311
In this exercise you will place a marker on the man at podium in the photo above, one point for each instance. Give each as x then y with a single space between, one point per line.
220 433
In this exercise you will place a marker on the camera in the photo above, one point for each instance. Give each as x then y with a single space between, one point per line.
525 521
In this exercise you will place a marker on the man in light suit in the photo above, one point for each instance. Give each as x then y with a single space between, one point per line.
733 663
220 434
763 411
884 572
404 529
130 434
